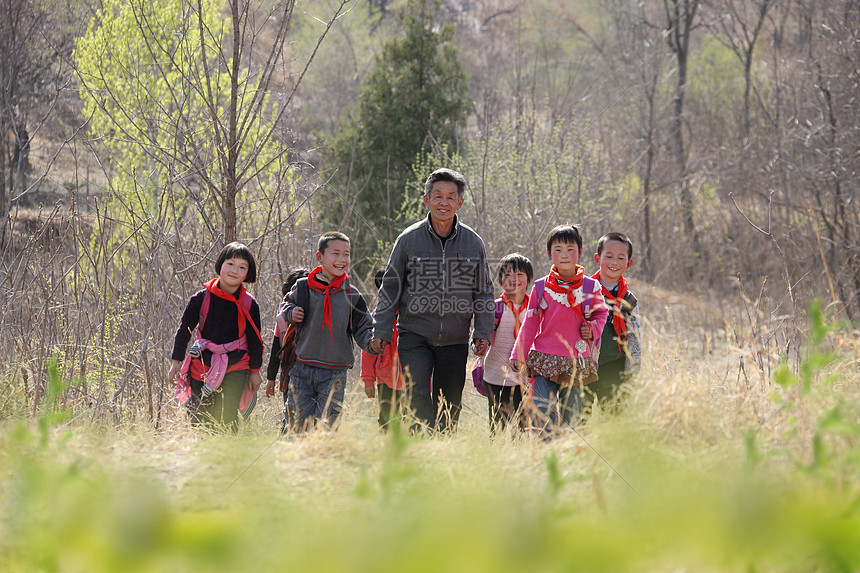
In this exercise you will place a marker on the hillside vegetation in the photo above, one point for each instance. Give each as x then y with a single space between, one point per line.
136 138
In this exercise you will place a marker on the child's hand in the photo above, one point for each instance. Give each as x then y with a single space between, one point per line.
175 367
515 365
254 380
297 314
270 388
370 391
585 331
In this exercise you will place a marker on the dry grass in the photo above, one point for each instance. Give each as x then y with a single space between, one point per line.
711 467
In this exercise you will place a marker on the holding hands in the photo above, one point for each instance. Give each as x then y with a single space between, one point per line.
377 345
480 346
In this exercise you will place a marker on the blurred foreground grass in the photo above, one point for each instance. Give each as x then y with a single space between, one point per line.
704 472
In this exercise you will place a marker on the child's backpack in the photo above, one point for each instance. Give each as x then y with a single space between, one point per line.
204 310
249 399
303 300
537 294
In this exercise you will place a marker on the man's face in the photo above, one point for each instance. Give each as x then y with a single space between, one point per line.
443 201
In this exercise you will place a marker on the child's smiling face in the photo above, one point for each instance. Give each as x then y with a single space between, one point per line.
232 274
613 260
335 260
565 257
514 283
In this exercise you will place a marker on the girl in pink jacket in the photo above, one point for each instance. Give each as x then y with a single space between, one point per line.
560 337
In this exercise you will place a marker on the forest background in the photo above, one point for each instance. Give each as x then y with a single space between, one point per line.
136 138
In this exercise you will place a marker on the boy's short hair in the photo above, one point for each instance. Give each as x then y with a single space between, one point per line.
564 234
445 174
621 237
237 250
328 237
515 262
292 278
377 278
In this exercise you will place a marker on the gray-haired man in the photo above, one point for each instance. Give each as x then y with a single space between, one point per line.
436 281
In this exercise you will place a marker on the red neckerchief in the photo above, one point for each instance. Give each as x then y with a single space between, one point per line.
553 284
618 322
326 290
244 315
516 311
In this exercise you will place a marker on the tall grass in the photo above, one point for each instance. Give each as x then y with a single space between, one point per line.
706 470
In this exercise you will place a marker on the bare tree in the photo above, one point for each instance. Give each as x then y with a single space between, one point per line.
201 104
739 24
34 41
680 23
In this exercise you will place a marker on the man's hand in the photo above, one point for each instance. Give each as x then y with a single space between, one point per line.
481 346
270 388
377 345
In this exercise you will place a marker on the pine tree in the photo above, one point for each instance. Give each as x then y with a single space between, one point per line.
415 94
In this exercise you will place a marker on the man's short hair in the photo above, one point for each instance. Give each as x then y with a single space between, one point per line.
616 237
328 237
445 174
564 234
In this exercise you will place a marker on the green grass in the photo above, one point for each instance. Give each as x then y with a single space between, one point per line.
706 475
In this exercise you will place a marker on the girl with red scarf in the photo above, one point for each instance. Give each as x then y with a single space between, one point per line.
505 386
559 339
219 377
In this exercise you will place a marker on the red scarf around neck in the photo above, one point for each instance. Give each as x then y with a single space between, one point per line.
553 283
244 315
524 305
618 322
327 290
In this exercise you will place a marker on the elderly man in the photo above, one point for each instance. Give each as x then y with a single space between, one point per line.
436 281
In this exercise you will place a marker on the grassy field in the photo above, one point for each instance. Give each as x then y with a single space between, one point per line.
722 462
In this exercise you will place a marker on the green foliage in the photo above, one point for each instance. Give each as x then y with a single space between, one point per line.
716 81
156 84
816 356
414 95
64 511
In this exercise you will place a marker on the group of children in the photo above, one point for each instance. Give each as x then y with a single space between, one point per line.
572 340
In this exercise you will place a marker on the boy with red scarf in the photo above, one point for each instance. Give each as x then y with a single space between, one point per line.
558 341
219 377
336 314
620 347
